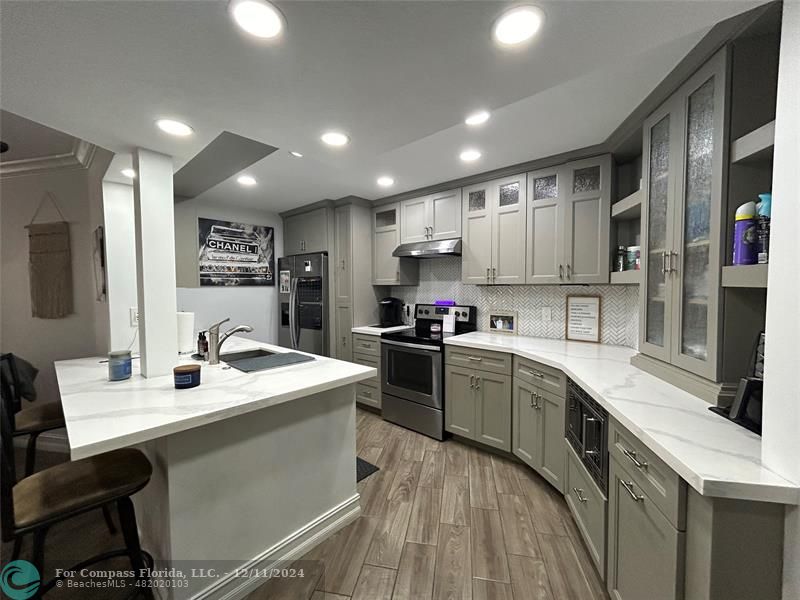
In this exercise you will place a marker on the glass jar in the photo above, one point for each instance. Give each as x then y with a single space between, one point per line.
119 365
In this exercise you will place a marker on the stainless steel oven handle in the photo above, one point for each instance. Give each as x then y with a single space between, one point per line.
628 485
407 345
631 455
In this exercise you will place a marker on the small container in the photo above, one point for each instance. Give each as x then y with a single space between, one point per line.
745 235
186 376
764 209
119 365
620 266
633 260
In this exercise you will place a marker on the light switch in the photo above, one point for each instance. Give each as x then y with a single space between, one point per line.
547 314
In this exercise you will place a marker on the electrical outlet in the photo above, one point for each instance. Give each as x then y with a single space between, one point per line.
134 313
547 314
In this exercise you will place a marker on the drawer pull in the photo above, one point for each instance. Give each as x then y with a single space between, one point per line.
628 485
631 455
475 358
579 494
534 373
539 398
472 381
366 393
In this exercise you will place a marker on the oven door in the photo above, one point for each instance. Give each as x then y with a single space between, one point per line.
412 372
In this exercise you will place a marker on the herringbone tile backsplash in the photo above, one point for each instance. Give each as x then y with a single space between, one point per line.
440 278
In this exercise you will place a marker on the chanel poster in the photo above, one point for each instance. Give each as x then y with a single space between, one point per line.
235 253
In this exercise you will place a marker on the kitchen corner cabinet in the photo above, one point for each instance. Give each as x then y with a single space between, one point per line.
343 337
684 168
307 232
433 217
388 269
493 231
569 212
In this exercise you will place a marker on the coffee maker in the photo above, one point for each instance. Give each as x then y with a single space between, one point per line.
390 312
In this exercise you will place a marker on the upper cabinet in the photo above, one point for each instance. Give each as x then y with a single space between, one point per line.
388 269
569 209
433 217
306 232
493 231
682 237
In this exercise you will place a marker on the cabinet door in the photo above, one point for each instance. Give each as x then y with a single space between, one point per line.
493 416
445 210
553 450
545 241
342 270
525 424
293 235
459 399
344 326
415 219
694 266
661 135
509 208
476 235
645 552
385 238
315 230
587 218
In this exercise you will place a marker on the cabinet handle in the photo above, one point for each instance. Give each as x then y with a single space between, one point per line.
664 263
477 383
561 271
579 494
475 358
494 274
539 398
673 268
472 381
569 271
397 276
628 485
488 270
631 455
430 232
534 373
531 393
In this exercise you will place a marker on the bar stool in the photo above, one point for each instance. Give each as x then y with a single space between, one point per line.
37 502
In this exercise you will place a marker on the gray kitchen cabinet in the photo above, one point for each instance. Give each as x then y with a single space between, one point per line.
342 265
684 168
460 401
388 269
306 232
569 213
645 551
538 431
493 409
588 504
433 217
344 325
494 231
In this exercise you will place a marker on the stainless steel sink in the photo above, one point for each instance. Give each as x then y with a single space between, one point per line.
229 357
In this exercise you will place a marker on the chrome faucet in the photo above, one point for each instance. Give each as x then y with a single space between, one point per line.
215 341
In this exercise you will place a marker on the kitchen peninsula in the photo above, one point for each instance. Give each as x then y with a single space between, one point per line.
248 468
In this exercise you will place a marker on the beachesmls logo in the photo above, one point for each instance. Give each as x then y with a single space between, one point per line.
19 580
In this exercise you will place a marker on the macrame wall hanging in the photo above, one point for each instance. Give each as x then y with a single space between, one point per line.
50 265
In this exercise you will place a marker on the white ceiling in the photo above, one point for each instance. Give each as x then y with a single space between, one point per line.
398 77
27 139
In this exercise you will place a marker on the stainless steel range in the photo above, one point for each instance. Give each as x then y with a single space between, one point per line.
412 365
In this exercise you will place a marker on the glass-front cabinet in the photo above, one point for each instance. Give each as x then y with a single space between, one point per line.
683 170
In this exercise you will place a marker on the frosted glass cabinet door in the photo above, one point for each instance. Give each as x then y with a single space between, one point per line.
476 235
509 196
545 243
696 263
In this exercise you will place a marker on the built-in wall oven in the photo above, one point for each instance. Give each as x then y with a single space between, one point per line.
587 432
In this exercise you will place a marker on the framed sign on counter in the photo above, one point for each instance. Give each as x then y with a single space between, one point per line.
583 318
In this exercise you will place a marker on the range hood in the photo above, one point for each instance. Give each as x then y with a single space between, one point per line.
430 249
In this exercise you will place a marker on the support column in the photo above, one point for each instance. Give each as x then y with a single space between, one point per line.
155 262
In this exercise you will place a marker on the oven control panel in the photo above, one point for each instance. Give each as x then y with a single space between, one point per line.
465 314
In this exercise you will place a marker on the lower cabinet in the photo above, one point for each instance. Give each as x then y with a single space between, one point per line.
366 352
538 431
645 551
478 406
587 503
344 324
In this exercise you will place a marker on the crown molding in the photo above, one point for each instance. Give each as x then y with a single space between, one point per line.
80 157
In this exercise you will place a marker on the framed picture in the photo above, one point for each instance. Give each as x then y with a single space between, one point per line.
502 321
235 254
583 318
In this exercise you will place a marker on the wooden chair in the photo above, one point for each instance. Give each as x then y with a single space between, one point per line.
35 503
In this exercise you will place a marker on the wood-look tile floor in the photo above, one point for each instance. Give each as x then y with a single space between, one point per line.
445 521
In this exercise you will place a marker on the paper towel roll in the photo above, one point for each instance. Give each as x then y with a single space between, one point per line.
186 341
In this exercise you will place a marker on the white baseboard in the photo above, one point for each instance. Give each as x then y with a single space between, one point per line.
49 441
290 548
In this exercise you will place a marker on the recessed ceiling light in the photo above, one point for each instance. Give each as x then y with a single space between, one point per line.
246 180
477 118
334 138
173 127
129 173
517 25
295 153
257 17
385 181
470 155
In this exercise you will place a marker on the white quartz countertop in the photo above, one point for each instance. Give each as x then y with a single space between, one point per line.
715 456
377 330
104 415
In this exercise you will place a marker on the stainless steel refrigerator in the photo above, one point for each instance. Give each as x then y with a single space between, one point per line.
303 298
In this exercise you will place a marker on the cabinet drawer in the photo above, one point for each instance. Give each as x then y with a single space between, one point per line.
367 344
645 552
368 394
369 361
588 505
485 360
547 378
664 487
